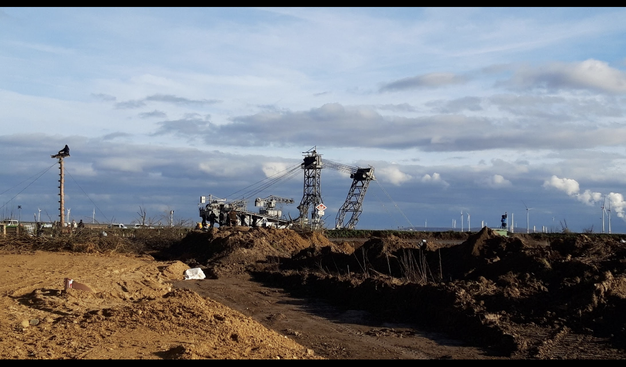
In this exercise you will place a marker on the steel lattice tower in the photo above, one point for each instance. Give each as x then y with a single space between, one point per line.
312 166
354 201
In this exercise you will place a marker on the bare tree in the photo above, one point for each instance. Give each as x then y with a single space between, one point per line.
143 219
184 223
142 215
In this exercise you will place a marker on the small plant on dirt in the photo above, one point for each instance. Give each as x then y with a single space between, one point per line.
321 269
415 269
363 266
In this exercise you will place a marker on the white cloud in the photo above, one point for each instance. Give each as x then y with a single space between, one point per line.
205 167
616 204
393 175
274 168
567 185
82 169
572 188
590 74
590 198
434 179
125 164
496 181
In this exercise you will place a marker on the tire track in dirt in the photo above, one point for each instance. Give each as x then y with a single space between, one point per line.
331 333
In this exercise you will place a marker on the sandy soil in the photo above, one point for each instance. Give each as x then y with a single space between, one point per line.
132 313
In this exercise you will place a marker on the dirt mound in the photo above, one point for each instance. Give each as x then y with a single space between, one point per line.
131 312
522 296
487 243
478 253
599 247
232 250
318 258
378 247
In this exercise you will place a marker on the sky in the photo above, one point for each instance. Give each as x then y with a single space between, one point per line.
464 113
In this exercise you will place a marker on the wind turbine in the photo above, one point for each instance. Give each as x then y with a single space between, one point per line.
461 221
512 225
609 216
527 217
603 211
468 222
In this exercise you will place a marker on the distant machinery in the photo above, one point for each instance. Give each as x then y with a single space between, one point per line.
268 205
361 178
311 208
312 196
234 213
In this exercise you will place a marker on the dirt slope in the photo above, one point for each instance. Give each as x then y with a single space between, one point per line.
132 313
549 298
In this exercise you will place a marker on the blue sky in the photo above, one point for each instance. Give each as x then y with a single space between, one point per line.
477 111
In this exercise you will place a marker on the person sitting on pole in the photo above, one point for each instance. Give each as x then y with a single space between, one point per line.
65 152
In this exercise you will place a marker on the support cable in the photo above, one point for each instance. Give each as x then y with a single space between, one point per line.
405 217
267 182
290 174
94 204
33 181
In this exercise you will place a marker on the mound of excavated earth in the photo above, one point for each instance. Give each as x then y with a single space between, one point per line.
232 250
126 309
560 297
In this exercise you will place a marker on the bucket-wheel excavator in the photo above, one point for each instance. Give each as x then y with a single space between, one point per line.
311 208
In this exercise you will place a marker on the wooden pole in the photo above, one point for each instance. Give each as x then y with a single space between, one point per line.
61 194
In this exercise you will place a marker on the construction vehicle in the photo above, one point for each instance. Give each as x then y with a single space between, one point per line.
311 208
234 213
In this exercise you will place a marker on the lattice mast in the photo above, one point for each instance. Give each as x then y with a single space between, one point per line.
312 196
361 179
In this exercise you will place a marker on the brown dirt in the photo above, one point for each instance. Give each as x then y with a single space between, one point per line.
132 313
281 294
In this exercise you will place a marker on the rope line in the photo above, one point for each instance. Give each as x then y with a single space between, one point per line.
94 204
41 174
394 203
266 182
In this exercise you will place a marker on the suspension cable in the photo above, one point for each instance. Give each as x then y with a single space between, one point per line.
396 205
94 204
33 181
287 175
267 182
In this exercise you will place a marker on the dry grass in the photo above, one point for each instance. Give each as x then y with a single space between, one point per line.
415 268
138 241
